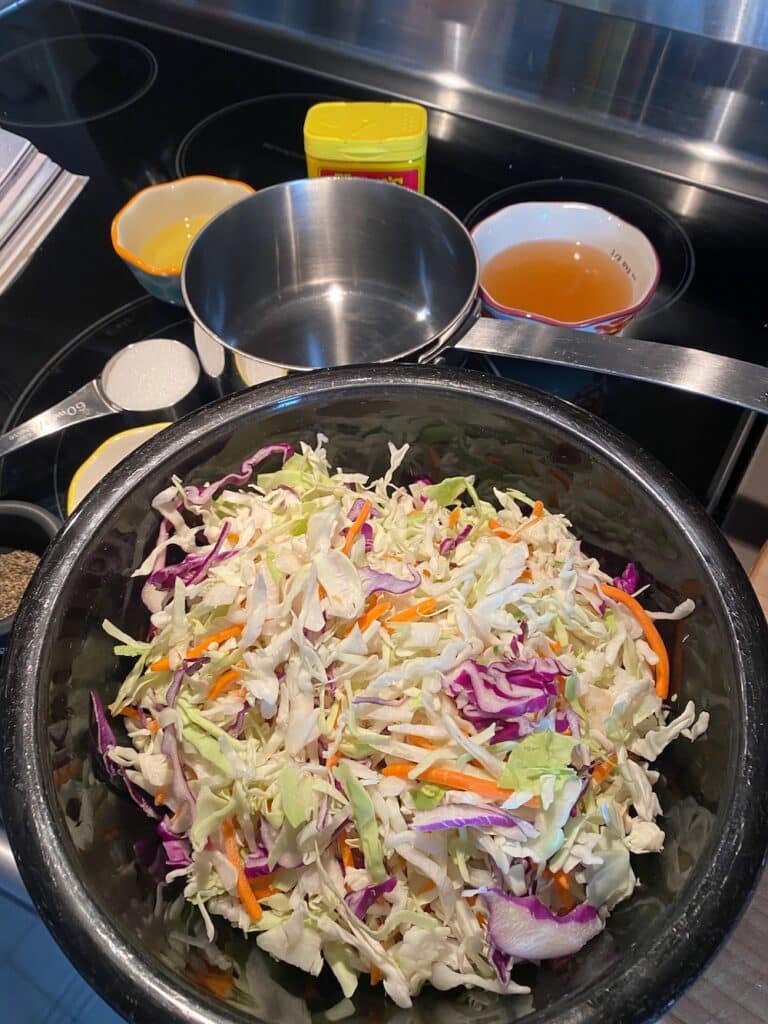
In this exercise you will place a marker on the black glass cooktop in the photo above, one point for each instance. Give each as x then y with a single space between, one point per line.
130 106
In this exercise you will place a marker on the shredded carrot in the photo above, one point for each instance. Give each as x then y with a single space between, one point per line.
347 857
481 919
538 510
153 726
218 982
651 635
498 529
414 512
562 883
426 572
233 537
263 892
221 684
376 975
601 771
333 760
424 608
163 665
244 890
452 779
132 713
159 796
240 692
356 527
453 518
373 613
66 772
555 645
321 591
419 741
559 475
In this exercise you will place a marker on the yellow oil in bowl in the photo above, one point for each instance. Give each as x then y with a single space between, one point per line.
167 248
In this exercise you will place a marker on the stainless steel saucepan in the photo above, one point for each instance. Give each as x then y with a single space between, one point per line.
333 271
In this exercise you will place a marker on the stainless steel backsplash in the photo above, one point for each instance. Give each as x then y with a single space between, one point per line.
682 102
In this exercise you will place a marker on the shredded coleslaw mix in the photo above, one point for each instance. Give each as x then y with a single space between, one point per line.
396 729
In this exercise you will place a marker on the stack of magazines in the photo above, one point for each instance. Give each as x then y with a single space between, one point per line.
34 194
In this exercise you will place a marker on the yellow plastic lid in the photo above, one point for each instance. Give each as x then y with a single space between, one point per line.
365 131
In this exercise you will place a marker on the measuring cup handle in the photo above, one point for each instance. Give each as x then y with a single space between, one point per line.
87 403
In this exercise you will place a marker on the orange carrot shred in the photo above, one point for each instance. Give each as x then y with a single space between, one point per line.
233 537
347 857
163 664
498 529
409 614
218 982
420 741
356 526
559 475
601 771
153 726
376 975
159 796
451 779
333 760
263 892
221 684
538 510
132 713
66 772
244 890
373 613
453 518
651 635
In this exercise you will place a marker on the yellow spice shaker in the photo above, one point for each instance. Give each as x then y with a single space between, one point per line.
367 140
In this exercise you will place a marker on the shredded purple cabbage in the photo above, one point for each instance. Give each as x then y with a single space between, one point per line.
178 853
105 737
199 495
465 816
448 544
524 928
366 532
361 901
105 741
375 581
629 581
504 690
235 728
257 863
180 787
356 506
188 667
194 568
149 853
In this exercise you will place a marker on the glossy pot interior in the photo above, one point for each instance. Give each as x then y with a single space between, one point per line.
331 271
73 837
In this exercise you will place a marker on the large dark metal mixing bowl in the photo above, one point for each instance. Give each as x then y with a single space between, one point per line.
73 835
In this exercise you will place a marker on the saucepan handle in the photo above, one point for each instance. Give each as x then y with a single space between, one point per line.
686 369
451 338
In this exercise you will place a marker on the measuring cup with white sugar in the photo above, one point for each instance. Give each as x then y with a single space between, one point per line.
156 375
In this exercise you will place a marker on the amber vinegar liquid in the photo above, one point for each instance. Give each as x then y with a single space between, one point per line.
561 280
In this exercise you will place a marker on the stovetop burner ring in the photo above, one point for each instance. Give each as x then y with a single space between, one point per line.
259 140
67 80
